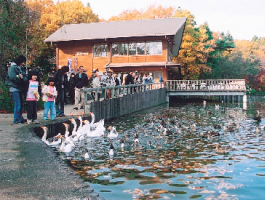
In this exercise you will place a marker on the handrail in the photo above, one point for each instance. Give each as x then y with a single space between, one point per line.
110 92
207 85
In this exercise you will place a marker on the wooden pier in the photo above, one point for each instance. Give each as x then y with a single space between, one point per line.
116 101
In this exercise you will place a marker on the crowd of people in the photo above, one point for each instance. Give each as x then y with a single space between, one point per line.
26 86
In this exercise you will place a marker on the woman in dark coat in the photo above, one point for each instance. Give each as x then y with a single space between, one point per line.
60 78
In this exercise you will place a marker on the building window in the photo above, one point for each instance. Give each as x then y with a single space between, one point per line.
137 48
154 48
100 50
119 49
140 46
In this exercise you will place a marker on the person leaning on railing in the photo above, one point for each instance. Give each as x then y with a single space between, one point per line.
97 83
109 81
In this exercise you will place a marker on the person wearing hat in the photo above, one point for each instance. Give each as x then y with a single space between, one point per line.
97 83
49 93
109 81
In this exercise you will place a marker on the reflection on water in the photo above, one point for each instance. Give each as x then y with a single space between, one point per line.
189 151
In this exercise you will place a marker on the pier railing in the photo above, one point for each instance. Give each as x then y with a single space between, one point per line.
209 85
111 92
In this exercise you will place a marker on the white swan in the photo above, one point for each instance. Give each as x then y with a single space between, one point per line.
93 124
80 128
72 120
56 140
66 147
66 134
113 133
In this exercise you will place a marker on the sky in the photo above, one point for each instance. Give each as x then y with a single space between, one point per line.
243 19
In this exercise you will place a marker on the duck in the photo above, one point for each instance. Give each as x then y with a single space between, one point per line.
257 117
111 150
216 106
136 139
213 133
122 144
56 140
219 150
113 133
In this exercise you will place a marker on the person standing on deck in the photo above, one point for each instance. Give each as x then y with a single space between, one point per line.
60 78
81 81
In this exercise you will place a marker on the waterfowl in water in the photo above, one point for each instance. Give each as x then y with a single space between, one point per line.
66 147
98 132
257 117
219 150
93 124
111 150
213 133
122 144
216 106
74 132
113 133
136 139
56 140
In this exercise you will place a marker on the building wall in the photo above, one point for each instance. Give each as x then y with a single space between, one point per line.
82 50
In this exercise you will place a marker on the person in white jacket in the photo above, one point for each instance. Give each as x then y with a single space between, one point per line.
49 94
97 83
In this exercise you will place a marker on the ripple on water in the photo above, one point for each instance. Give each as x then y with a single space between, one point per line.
184 164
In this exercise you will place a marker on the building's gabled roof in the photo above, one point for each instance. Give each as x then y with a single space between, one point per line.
118 29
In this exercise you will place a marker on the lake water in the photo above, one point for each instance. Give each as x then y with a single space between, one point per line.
205 152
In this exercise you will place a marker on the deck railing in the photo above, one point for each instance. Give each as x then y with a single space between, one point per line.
119 91
207 85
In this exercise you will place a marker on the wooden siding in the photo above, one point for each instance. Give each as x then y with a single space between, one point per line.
83 51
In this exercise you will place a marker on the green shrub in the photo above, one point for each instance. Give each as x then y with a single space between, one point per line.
6 101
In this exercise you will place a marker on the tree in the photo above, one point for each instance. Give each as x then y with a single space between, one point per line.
195 49
151 12
14 22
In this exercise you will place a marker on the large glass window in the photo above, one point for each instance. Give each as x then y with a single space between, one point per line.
154 48
132 48
140 48
100 50
137 48
119 49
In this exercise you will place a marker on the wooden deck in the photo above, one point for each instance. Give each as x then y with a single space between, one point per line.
206 87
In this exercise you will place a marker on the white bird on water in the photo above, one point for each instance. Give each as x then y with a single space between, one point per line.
113 133
66 147
56 140
111 150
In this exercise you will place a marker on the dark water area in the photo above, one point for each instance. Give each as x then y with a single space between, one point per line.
187 151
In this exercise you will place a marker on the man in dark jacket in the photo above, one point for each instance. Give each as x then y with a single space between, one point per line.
81 81
60 78
129 79
15 81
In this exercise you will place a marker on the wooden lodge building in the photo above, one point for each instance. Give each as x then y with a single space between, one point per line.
147 46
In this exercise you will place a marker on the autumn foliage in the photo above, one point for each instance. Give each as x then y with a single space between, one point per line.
203 53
